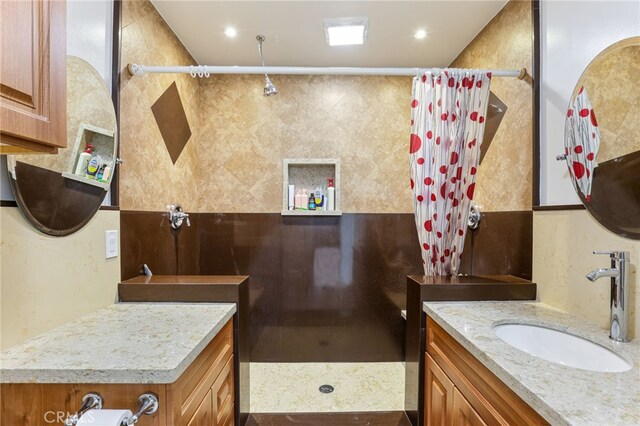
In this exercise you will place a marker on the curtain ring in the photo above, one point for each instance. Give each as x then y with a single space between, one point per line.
192 71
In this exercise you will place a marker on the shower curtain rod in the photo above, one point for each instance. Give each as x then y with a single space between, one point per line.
206 70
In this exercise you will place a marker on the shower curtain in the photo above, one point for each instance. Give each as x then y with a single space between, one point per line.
581 143
448 110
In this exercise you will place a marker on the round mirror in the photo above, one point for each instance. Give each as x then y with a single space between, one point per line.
59 193
602 138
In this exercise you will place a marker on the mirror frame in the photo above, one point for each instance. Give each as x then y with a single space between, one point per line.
594 212
114 187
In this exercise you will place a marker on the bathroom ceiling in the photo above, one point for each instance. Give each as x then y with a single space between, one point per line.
295 35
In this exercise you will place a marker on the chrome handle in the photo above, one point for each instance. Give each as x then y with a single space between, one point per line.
614 254
148 405
561 157
90 401
177 216
475 214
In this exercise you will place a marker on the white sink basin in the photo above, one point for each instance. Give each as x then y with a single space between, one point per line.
561 348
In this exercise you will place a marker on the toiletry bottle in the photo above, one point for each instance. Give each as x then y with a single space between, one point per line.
83 161
106 173
93 167
296 199
312 201
100 174
319 198
291 203
331 196
303 200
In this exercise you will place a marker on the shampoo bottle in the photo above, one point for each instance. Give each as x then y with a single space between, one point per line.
312 201
83 161
319 198
106 173
331 196
93 167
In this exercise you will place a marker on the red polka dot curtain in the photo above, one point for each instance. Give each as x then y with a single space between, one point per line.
581 143
448 111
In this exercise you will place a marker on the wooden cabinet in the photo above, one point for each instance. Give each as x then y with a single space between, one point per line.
33 105
438 395
203 415
202 396
459 390
462 412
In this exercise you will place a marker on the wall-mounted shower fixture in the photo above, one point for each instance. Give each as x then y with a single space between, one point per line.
474 216
177 216
269 88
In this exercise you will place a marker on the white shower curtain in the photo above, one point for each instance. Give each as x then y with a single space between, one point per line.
581 142
448 110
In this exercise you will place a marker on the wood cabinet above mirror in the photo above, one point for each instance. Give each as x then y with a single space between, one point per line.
32 76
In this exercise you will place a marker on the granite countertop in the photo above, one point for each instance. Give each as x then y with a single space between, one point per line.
124 343
562 395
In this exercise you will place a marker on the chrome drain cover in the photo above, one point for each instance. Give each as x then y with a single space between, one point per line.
326 388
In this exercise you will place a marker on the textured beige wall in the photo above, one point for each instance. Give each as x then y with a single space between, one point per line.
563 242
233 161
363 121
611 81
148 178
47 281
504 178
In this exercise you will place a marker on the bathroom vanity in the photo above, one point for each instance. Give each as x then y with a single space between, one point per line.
474 377
182 353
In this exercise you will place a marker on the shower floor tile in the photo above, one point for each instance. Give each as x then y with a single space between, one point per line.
293 387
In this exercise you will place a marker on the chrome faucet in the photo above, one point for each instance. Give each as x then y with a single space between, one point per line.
619 274
177 216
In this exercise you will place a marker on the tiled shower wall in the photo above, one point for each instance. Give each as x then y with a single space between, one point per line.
233 160
504 178
322 289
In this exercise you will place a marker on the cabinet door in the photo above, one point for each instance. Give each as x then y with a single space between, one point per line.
463 413
33 105
204 414
222 394
438 403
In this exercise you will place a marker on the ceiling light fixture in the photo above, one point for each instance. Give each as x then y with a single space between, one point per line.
230 32
420 34
346 31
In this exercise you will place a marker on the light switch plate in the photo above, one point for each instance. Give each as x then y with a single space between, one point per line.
111 244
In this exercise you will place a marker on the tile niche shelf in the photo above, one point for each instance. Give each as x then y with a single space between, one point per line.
309 174
104 144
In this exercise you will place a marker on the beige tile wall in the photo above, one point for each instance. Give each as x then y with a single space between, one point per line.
148 178
233 162
47 281
363 121
563 242
504 178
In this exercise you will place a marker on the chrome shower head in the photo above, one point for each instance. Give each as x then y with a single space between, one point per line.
269 88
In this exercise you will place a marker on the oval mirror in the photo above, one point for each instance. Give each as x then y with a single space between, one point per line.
59 193
602 138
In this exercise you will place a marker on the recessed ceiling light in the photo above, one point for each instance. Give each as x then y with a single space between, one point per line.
230 32
346 31
420 34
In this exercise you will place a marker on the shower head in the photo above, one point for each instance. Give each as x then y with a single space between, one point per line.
269 88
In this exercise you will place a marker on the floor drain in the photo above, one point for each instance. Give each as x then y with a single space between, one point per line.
326 388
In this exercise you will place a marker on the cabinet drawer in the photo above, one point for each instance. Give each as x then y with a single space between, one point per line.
222 395
188 392
494 401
